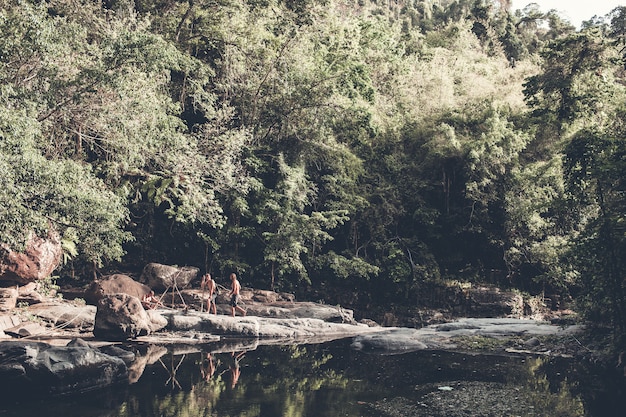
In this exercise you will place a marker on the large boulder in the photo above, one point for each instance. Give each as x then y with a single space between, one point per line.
115 284
161 277
38 260
122 317
38 369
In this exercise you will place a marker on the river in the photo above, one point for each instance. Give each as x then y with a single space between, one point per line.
331 379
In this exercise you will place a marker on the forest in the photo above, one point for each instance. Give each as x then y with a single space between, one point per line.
322 145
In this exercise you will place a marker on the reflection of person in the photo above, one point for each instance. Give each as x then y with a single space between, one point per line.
208 284
235 370
150 301
235 297
207 368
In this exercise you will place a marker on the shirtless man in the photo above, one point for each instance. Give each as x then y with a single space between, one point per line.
209 285
235 298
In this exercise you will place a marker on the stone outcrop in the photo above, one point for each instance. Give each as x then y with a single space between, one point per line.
38 260
39 369
122 317
444 336
293 329
160 277
288 310
114 284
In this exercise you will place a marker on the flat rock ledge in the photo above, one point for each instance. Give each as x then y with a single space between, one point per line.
57 321
295 329
445 336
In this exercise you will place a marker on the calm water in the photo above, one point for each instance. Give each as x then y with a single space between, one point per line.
333 380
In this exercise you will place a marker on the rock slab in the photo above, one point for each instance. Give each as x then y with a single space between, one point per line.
442 336
35 369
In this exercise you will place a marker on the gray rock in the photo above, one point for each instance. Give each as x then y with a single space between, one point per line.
161 277
26 329
533 341
39 369
63 314
286 310
400 340
392 342
262 327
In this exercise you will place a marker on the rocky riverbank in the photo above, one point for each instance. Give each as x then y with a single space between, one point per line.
80 339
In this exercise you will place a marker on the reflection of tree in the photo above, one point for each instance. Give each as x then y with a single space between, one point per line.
295 381
286 378
173 370
558 396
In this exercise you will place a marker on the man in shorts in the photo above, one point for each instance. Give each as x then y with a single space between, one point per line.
235 298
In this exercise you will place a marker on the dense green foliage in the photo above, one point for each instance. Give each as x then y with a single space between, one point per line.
315 143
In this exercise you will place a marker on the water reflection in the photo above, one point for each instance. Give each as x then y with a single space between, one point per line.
332 380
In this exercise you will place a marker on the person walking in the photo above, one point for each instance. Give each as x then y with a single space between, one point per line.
208 284
235 297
